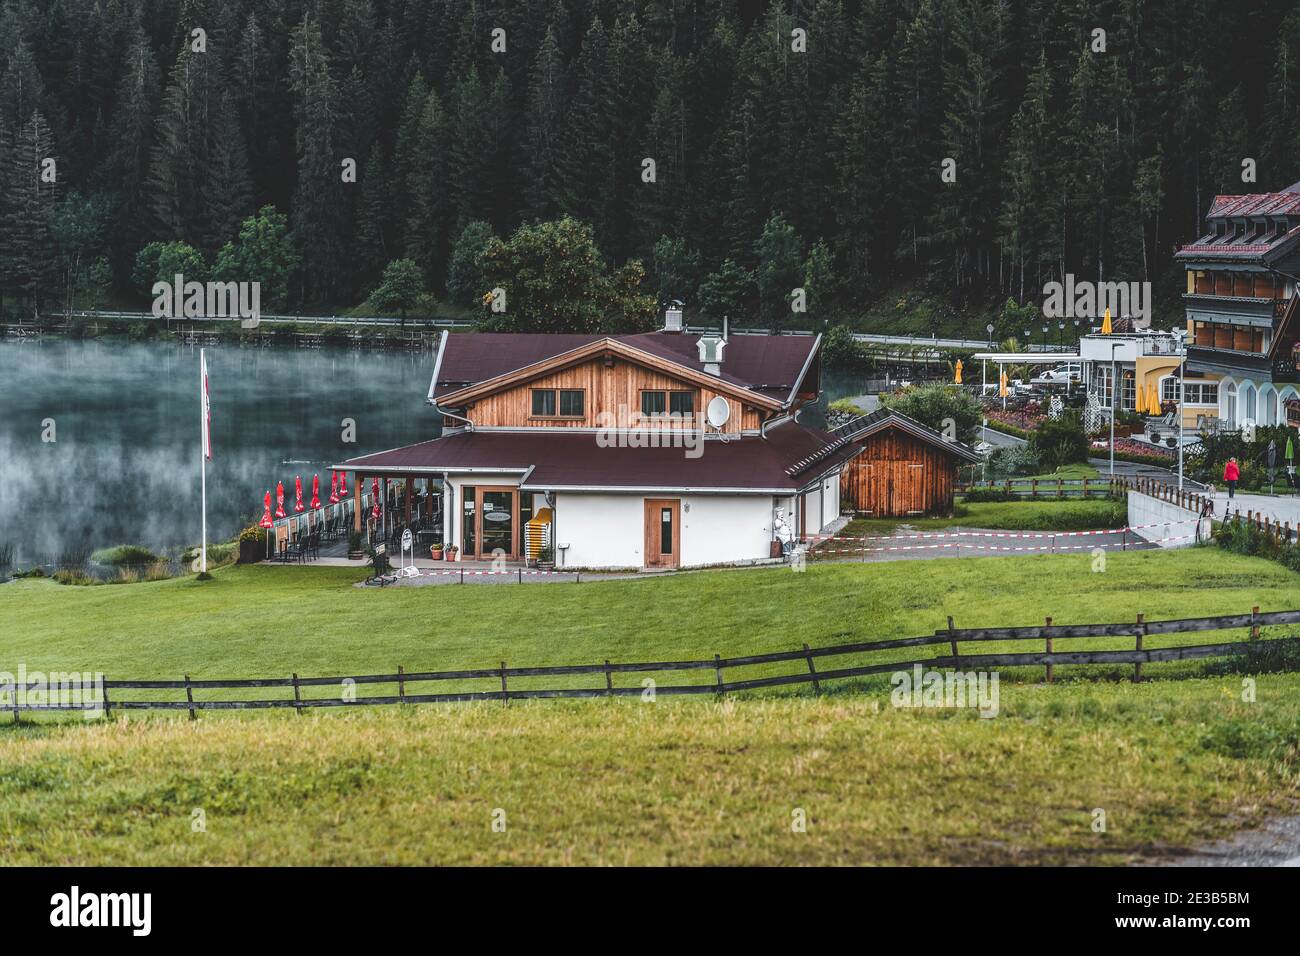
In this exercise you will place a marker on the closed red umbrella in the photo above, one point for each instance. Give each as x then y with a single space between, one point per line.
334 487
315 491
343 484
279 499
297 487
266 521
376 511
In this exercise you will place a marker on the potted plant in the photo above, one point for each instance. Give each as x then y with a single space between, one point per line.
252 545
355 553
435 552
546 558
451 552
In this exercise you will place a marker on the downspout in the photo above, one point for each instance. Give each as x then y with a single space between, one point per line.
442 411
447 505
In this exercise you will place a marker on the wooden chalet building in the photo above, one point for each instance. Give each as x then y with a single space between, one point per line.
652 450
902 468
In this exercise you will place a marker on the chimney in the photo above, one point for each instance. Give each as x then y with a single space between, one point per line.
711 347
673 317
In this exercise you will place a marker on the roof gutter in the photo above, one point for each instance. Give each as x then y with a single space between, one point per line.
812 354
437 367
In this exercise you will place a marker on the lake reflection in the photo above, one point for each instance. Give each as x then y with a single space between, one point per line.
124 467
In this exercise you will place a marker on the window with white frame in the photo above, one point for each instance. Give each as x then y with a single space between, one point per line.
1128 391
1196 391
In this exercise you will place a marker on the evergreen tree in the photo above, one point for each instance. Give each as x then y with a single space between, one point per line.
28 254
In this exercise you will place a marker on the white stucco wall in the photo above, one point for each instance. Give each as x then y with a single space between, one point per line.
830 499
602 531
812 506
1169 520
608 530
722 530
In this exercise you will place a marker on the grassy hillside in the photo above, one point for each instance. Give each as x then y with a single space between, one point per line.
678 781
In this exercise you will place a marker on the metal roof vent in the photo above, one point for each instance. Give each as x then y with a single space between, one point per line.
711 347
673 317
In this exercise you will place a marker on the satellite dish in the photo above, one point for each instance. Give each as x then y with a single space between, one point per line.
719 411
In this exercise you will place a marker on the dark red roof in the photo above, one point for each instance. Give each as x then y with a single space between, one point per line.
768 364
1284 203
562 458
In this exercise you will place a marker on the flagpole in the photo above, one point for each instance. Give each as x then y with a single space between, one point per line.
203 457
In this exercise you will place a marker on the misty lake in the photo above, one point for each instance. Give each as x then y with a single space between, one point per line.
124 464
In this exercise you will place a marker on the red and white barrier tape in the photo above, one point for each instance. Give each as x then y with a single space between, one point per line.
1001 547
1003 534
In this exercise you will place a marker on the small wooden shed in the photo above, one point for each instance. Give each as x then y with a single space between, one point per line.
905 468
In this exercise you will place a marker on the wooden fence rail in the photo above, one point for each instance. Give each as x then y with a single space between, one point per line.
950 636
1041 487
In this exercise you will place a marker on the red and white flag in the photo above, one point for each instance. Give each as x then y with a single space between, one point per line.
207 408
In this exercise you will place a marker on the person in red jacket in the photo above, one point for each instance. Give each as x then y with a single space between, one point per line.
1231 474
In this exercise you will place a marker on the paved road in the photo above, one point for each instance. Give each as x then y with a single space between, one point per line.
1277 508
907 545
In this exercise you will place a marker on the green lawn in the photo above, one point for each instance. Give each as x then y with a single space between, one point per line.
674 782
1066 473
1046 515
273 621
1171 761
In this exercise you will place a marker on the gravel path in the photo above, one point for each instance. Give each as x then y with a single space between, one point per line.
1276 843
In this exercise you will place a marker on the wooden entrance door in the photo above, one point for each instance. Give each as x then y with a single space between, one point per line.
663 533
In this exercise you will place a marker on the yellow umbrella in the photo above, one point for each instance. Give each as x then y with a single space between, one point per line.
1002 384
957 381
1155 400
1105 324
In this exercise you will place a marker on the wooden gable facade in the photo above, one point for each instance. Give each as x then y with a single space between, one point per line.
904 469
611 391
602 385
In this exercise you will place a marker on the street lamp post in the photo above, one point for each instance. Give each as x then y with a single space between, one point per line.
1060 328
1046 328
1114 392
1181 336
984 364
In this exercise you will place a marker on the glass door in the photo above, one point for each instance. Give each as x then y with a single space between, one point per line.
496 521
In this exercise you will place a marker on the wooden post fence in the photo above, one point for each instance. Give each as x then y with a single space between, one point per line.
817 686
802 667
1048 641
1139 631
